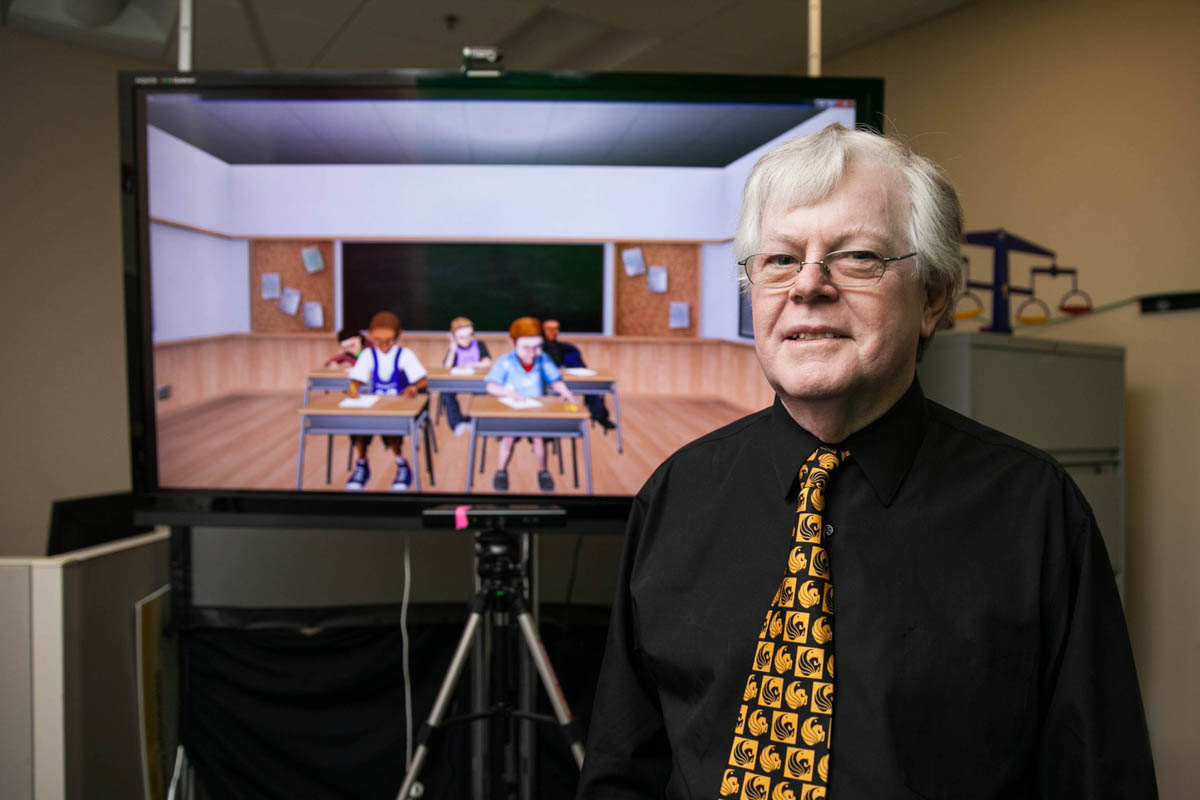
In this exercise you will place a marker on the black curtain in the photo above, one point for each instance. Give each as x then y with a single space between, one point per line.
284 714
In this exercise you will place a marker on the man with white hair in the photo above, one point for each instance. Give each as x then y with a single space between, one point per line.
978 647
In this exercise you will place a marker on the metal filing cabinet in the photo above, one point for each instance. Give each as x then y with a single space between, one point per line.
1065 398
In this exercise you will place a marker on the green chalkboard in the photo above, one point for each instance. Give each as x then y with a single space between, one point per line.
429 284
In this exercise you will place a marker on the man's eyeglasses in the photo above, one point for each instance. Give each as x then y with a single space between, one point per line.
847 269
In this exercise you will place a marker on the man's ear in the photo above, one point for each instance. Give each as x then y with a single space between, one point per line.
936 300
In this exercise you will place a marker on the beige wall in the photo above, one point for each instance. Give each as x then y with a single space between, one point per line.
1073 123
63 405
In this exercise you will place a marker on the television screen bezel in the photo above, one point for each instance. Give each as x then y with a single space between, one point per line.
154 504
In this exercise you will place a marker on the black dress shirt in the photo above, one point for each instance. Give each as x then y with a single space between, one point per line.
980 644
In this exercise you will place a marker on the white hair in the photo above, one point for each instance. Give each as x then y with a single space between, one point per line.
804 171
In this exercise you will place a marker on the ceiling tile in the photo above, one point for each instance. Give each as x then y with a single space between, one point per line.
480 22
770 32
221 37
661 19
297 31
373 49
677 57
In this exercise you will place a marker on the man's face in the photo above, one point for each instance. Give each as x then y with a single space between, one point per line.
527 348
383 338
551 328
352 344
855 348
463 335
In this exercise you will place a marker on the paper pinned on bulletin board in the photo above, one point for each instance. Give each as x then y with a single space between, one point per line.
289 303
656 281
313 262
314 317
272 287
680 315
634 263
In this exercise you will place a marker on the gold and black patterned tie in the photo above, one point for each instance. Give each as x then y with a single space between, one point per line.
781 741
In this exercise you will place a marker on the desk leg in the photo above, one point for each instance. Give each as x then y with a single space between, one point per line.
328 459
471 457
617 413
300 455
574 460
430 447
587 454
414 445
483 456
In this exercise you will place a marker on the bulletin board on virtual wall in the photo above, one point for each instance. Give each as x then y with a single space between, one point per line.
303 266
642 312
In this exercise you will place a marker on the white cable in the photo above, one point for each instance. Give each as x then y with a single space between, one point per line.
180 757
408 718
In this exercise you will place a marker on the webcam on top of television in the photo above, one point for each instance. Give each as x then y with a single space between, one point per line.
482 61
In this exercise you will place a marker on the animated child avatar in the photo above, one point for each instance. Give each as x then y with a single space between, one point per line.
565 354
384 368
524 372
465 350
352 344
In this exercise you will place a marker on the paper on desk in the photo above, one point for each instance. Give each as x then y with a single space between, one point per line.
519 405
462 370
362 401
582 372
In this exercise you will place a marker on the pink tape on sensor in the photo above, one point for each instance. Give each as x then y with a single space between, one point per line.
460 517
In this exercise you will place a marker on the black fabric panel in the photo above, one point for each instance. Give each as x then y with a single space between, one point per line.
279 714
576 651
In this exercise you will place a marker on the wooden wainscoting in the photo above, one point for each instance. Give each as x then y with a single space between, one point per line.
208 369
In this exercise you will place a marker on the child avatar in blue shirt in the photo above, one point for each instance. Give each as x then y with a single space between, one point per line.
524 372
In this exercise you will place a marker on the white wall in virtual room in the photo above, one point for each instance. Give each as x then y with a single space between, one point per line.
199 284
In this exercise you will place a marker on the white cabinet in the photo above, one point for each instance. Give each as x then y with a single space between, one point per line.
1065 398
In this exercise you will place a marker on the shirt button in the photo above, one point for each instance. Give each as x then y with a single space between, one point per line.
828 530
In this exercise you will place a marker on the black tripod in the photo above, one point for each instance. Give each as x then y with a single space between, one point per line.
501 591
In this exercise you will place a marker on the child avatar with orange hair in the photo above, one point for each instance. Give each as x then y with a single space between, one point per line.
384 368
523 372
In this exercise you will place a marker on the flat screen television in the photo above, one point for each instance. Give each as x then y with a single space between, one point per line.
265 212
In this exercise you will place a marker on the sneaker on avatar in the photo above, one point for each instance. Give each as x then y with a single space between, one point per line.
545 481
403 476
359 478
461 428
500 482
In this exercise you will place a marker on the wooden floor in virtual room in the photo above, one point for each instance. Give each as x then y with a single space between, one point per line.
250 441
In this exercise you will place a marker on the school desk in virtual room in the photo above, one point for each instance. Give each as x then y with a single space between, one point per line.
337 379
602 383
551 420
391 415
326 379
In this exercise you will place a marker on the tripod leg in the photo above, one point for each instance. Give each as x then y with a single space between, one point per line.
537 652
442 703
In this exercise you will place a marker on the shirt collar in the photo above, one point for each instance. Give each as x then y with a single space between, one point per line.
884 450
